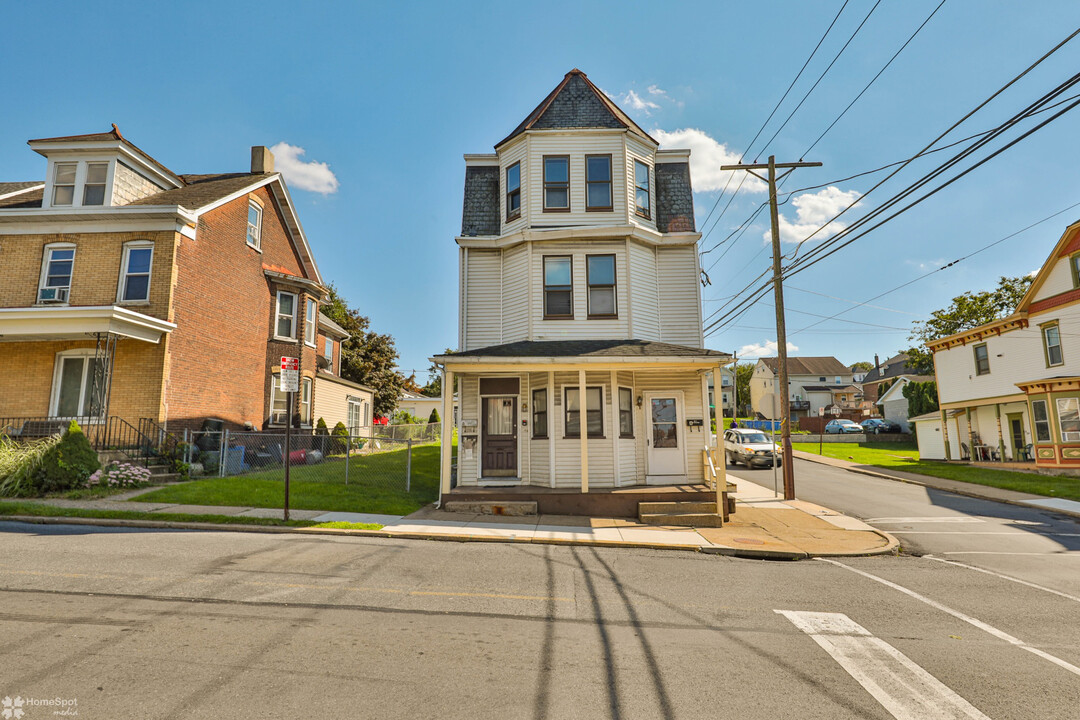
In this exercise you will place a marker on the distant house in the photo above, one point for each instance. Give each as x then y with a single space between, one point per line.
337 399
813 383
727 392
894 406
885 374
1012 387
421 405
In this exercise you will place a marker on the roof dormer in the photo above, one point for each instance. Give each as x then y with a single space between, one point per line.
99 170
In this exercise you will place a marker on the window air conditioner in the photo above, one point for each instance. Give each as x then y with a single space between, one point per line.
53 295
277 417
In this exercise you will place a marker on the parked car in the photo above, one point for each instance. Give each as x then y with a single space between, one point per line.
841 426
751 448
877 426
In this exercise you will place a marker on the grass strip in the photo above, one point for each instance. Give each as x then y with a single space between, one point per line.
40 510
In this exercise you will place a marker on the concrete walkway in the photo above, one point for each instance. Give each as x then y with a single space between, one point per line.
763 526
985 492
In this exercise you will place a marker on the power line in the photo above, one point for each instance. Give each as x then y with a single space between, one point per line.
820 78
873 79
854 302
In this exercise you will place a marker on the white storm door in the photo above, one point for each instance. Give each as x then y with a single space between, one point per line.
664 439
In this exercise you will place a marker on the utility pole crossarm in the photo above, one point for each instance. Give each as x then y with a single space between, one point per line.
781 329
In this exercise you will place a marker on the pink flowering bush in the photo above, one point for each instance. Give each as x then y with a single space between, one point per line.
120 475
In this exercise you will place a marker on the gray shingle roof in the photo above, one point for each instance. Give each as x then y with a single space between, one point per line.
590 348
480 214
202 190
893 367
674 198
576 103
809 366
29 199
6 188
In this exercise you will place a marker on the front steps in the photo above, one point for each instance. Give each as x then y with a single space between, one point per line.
684 514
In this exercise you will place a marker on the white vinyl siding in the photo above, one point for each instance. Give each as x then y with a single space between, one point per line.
515 152
644 312
581 327
1058 280
680 307
515 299
469 397
332 398
483 299
577 148
639 151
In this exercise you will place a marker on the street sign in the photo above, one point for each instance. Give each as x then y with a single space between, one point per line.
770 406
290 375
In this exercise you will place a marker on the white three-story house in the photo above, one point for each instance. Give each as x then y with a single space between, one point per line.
581 362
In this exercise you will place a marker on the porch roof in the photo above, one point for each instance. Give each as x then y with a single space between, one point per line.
586 352
77 323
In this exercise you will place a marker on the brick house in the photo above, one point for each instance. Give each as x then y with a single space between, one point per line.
135 293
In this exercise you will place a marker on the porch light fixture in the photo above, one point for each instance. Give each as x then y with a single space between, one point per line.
640 401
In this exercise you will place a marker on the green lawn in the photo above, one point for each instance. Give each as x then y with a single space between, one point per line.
376 485
40 510
905 456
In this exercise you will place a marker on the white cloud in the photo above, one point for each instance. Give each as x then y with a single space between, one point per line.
654 90
635 102
814 210
706 158
313 176
767 348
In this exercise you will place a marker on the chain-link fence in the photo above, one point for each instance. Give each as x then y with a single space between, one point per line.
424 432
400 464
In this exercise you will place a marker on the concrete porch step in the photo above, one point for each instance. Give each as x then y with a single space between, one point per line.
687 519
492 507
650 508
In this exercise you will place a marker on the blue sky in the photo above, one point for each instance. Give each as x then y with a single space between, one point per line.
390 95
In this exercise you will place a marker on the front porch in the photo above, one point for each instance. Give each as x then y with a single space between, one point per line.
599 502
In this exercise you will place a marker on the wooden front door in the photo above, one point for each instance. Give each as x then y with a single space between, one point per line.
498 438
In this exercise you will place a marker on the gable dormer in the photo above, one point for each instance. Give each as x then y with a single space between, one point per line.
99 170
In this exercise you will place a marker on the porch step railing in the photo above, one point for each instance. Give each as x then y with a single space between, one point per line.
105 434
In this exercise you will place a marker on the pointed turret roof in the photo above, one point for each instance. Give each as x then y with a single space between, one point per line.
576 103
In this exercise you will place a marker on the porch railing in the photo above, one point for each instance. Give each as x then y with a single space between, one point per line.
104 434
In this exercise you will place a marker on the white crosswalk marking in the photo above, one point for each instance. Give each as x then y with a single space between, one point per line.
903 688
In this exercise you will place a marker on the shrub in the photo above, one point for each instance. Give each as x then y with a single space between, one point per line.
340 431
20 464
69 463
320 427
120 475
434 416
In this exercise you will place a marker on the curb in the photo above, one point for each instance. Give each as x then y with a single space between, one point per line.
955 491
746 553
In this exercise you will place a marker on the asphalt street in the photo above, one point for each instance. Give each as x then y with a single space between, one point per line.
174 624
1029 544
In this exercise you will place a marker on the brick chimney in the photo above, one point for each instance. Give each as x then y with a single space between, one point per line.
262 160
877 363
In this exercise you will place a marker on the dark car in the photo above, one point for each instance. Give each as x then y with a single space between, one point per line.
842 426
877 426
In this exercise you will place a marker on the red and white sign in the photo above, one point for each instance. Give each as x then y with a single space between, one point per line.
290 375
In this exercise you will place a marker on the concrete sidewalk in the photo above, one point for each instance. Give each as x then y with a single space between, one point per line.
763 526
983 492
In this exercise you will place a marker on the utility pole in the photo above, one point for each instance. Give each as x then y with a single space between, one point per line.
778 291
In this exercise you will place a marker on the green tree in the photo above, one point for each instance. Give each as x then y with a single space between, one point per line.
743 373
862 366
922 397
920 360
367 357
434 384
434 416
972 309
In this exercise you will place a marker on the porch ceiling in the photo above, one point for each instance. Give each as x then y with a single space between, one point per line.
76 323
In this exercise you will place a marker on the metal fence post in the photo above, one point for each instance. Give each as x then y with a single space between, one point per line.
408 467
348 452
187 445
224 452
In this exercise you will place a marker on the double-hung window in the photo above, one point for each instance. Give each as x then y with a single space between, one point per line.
539 413
557 183
1074 265
279 402
356 416
55 284
1052 344
254 225
94 188
600 277
558 287
594 412
64 183
641 189
310 322
598 182
982 360
1042 420
305 401
513 192
626 412
135 272
328 353
1069 418
285 318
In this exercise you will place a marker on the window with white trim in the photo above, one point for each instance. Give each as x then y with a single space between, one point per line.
135 272
97 173
73 384
642 202
1042 420
626 412
311 322
56 265
594 412
328 352
1052 344
285 318
279 402
254 225
64 183
305 401
1068 410
540 413
600 279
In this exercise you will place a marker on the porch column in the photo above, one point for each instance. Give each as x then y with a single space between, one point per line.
446 450
945 434
719 460
971 436
551 427
584 432
615 430
1001 439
